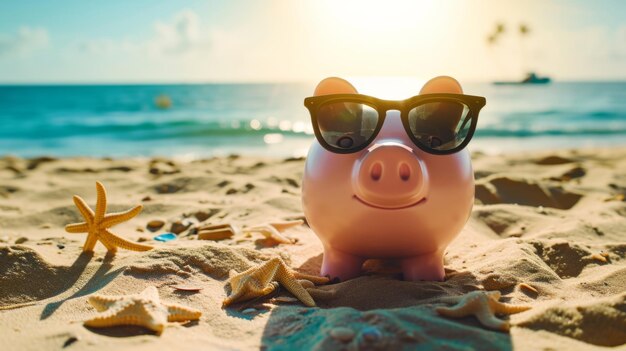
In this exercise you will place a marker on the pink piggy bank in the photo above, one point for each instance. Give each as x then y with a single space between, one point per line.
389 179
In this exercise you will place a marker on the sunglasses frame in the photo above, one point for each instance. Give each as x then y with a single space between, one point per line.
474 104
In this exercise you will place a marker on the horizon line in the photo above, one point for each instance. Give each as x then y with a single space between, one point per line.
252 82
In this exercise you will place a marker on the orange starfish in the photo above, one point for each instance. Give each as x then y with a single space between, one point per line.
97 224
144 309
483 305
273 231
263 279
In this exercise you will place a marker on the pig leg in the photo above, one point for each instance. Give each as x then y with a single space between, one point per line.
424 267
340 265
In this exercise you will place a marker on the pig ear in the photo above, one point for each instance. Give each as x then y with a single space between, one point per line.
334 85
442 84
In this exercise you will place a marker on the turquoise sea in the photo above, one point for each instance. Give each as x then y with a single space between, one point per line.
269 119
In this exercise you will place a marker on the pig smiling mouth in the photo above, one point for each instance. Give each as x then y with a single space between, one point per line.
389 208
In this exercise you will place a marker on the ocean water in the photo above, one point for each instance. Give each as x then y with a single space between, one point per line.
269 119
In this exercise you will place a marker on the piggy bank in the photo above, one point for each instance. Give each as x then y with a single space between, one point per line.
405 194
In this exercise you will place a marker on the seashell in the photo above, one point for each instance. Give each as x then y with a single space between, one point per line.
282 226
189 287
528 288
206 227
342 334
598 257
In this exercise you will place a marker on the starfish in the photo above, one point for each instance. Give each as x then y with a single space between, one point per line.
263 279
483 305
273 230
144 309
97 224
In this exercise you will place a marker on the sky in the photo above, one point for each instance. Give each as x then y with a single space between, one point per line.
150 41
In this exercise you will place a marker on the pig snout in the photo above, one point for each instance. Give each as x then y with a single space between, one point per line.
390 176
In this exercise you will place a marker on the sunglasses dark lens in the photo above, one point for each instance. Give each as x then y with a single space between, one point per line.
347 125
440 126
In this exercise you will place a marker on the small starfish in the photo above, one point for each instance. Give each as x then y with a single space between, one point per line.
273 230
263 279
483 305
97 224
144 309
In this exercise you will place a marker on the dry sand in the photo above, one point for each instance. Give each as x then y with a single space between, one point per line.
553 221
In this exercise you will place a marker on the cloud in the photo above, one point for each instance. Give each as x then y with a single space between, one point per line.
25 41
181 35
108 46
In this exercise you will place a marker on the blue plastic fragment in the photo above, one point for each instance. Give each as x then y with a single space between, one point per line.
165 237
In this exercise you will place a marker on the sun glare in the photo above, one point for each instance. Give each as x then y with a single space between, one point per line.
372 38
378 16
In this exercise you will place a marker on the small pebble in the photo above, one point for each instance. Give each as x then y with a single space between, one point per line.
21 240
45 226
371 334
140 229
180 226
142 239
146 198
165 237
155 225
342 334
183 274
285 299
60 246
202 216
409 336
70 341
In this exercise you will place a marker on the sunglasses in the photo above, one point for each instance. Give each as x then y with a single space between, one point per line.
439 124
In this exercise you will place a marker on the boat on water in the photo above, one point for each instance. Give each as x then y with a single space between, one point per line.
531 78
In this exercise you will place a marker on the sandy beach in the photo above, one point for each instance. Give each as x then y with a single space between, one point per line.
547 230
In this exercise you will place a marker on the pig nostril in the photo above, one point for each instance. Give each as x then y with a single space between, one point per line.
404 171
376 171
